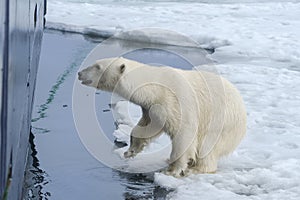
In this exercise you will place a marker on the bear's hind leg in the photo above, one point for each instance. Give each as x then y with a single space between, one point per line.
208 164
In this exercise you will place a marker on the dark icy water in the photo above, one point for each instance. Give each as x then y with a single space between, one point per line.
59 166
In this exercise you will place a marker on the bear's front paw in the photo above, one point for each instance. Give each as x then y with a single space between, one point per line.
130 153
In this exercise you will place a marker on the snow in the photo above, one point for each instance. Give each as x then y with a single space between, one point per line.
235 27
257 48
244 183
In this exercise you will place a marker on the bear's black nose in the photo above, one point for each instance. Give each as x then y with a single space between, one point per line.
79 74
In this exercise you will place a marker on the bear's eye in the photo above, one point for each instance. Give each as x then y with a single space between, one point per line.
97 66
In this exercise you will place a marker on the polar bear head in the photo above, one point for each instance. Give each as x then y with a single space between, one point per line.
104 74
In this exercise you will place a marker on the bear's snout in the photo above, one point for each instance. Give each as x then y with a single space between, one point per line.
84 80
79 74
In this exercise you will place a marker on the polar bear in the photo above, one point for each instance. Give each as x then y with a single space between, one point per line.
203 113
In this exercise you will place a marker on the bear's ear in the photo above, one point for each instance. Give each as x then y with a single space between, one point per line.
122 68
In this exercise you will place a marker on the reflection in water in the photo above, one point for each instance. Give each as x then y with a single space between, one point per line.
35 178
141 186
60 80
137 186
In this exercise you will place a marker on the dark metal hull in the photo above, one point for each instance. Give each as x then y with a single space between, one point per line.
21 34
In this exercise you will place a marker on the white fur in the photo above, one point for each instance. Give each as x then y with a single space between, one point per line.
203 113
